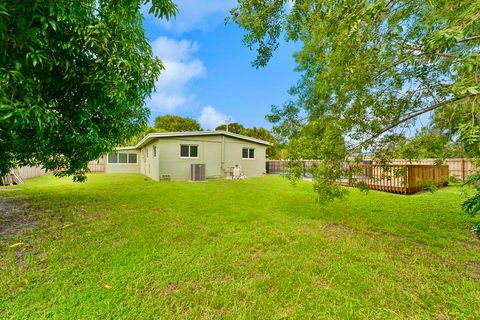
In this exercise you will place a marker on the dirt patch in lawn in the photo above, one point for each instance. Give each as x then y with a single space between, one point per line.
14 220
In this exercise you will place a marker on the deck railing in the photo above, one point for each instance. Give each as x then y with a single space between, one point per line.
461 168
406 179
395 178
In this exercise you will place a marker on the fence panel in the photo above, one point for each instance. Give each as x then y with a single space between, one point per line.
97 165
420 176
29 172
277 166
460 168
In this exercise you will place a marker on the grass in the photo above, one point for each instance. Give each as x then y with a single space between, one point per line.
124 247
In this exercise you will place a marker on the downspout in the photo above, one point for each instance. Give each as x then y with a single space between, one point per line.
222 166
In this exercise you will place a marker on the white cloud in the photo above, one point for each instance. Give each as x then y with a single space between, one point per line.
171 49
178 74
180 70
195 14
211 118
166 103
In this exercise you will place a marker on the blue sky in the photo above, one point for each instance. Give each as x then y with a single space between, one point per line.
208 74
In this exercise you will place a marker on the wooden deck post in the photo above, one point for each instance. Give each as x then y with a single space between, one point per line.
405 179
349 175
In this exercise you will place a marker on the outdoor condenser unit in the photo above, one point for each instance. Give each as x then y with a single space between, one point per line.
197 172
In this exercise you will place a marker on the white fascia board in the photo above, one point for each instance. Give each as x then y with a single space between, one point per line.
151 136
126 148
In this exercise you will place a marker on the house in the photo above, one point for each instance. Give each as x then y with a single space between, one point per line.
170 156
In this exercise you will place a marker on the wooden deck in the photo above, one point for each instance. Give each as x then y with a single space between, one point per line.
405 179
385 186
395 178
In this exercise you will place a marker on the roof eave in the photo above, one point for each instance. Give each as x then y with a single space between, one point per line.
126 148
198 133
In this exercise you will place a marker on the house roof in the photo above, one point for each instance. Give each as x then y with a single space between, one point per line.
126 148
152 136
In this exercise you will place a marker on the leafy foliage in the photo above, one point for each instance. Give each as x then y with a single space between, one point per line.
370 69
273 151
427 143
329 147
73 79
233 127
472 205
461 125
171 123
136 139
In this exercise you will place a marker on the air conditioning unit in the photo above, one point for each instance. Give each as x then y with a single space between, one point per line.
197 172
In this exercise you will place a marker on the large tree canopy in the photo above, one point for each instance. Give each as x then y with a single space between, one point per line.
369 70
73 79
171 123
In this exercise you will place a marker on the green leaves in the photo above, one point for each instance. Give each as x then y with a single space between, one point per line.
368 71
472 205
162 8
73 80
472 90
171 123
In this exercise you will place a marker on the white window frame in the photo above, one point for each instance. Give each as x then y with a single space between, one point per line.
154 151
122 164
189 151
248 153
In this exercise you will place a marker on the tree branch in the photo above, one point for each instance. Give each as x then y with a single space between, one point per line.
412 116
470 38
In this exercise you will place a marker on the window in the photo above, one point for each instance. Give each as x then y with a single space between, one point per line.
248 153
154 151
188 151
122 158
184 151
132 158
112 158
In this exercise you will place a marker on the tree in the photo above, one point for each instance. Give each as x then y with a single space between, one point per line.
170 123
73 79
233 127
254 132
136 138
460 125
426 143
264 134
369 70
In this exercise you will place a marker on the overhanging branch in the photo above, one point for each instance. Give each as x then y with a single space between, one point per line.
412 116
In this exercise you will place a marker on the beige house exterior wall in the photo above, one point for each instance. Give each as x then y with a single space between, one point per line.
149 163
217 152
171 163
250 167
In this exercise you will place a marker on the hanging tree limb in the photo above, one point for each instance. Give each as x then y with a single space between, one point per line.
412 116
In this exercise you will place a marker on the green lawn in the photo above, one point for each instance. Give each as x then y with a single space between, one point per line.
124 247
